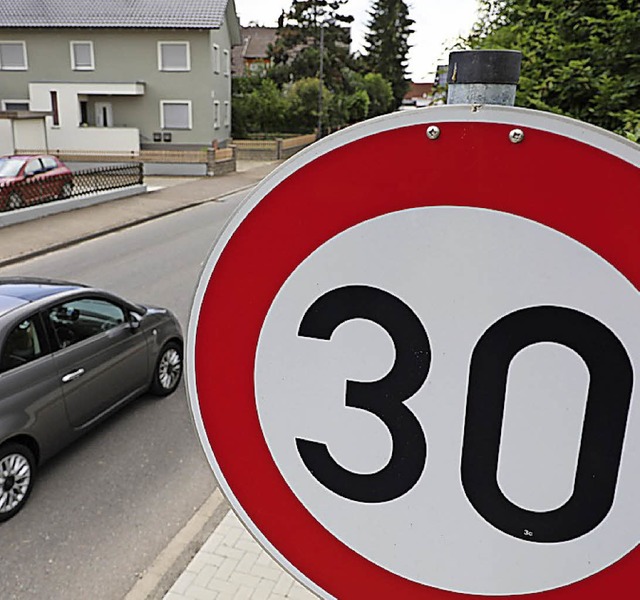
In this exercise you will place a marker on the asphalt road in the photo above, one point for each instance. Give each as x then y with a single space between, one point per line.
102 510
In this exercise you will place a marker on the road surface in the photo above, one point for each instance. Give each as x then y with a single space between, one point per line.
102 510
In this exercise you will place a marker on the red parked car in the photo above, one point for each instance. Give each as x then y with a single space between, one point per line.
26 180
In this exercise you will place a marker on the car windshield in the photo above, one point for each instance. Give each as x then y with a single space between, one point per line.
10 167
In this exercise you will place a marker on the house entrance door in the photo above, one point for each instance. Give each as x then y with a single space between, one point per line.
104 114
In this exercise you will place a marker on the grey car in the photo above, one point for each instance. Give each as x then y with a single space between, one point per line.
70 355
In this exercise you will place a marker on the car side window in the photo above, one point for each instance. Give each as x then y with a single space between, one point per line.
83 318
33 166
49 163
22 345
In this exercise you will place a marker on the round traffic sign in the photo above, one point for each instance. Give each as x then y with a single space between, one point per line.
414 353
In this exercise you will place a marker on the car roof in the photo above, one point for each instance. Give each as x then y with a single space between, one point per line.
8 303
34 288
16 291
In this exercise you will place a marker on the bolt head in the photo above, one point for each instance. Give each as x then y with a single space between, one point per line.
433 132
516 136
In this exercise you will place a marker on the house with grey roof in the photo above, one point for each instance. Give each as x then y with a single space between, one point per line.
252 56
121 75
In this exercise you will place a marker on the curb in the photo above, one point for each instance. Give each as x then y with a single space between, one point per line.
158 578
31 213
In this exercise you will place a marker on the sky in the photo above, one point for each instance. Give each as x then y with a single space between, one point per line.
438 25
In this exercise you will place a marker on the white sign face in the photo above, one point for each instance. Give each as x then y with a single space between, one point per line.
458 279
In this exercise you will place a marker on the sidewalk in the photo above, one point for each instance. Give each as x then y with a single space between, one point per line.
230 565
25 240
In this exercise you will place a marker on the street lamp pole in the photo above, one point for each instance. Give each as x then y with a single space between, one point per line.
320 80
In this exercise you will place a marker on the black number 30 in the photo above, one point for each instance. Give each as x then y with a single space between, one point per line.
607 409
383 398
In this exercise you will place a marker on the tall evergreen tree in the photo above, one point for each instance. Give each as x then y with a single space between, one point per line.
387 43
296 52
580 57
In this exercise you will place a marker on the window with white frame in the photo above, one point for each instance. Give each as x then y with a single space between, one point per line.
216 114
15 105
13 56
174 56
227 63
175 114
82 56
216 58
227 113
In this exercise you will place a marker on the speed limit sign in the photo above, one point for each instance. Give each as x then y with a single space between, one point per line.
414 353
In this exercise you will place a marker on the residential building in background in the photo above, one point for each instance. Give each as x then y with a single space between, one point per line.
418 95
135 74
251 57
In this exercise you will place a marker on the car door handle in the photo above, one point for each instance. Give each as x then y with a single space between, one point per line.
73 375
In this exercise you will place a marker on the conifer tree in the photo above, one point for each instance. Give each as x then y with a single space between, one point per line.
387 43
296 52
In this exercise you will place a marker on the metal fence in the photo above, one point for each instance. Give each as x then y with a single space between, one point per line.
42 188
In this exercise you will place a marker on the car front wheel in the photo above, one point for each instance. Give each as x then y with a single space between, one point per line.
168 371
17 475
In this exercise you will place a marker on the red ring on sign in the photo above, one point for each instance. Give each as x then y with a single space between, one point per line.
550 179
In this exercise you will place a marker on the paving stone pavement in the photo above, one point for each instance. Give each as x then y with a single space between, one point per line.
233 566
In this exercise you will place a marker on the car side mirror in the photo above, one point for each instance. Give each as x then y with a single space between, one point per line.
134 321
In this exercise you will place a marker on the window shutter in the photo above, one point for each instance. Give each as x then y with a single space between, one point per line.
12 55
174 57
176 116
82 58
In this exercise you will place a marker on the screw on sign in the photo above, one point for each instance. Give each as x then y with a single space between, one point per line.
414 359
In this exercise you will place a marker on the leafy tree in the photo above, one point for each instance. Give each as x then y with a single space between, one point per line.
387 44
361 97
580 57
357 105
302 97
380 94
287 98
347 108
258 106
